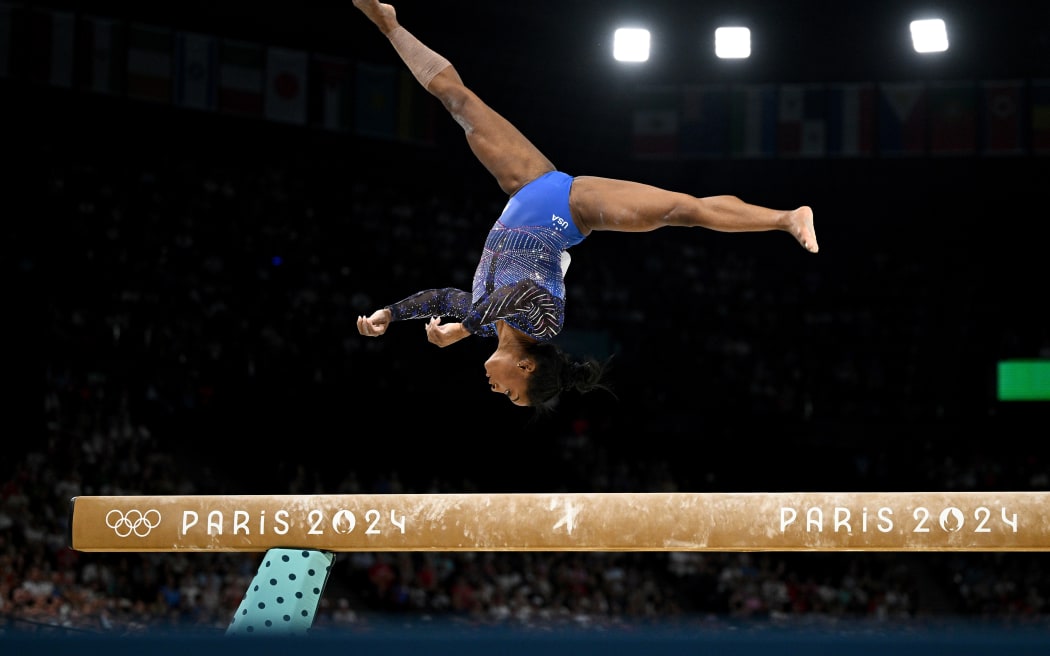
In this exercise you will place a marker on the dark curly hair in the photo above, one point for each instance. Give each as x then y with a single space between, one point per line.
557 371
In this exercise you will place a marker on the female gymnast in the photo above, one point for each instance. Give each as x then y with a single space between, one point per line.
518 293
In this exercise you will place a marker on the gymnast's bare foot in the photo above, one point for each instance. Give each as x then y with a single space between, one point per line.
381 14
800 222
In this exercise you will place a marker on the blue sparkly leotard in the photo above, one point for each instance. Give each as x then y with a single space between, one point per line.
520 278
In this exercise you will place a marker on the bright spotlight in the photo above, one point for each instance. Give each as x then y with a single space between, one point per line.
733 42
929 35
631 44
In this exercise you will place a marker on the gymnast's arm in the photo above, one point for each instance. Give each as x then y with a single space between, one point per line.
525 304
538 311
427 304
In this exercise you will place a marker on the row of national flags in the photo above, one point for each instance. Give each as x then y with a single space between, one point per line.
1006 117
152 63
206 72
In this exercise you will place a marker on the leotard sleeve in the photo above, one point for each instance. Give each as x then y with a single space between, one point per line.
525 305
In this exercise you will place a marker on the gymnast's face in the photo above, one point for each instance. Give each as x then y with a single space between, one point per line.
508 374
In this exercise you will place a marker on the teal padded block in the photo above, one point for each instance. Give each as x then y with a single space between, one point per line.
284 595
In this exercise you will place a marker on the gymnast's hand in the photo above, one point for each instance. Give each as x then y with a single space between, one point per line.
444 334
375 325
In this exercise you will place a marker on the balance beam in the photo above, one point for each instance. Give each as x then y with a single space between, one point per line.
648 521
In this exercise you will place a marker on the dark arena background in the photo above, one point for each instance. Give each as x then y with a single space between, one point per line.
201 198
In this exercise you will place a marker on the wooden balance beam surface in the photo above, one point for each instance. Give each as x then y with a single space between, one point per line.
656 521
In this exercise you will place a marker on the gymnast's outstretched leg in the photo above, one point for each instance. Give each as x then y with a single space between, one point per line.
624 206
498 145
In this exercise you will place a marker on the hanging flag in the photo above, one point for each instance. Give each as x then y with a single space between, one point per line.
802 122
1001 125
286 85
331 93
7 18
850 120
655 123
149 62
902 118
753 121
415 116
241 66
375 101
953 118
196 71
704 121
100 55
51 35
1040 121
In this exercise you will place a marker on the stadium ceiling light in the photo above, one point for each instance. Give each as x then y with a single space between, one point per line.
631 44
733 42
929 35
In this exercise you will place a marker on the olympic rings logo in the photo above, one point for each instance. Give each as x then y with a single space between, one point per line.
134 521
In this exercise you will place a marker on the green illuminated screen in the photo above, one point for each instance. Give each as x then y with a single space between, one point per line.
1024 380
